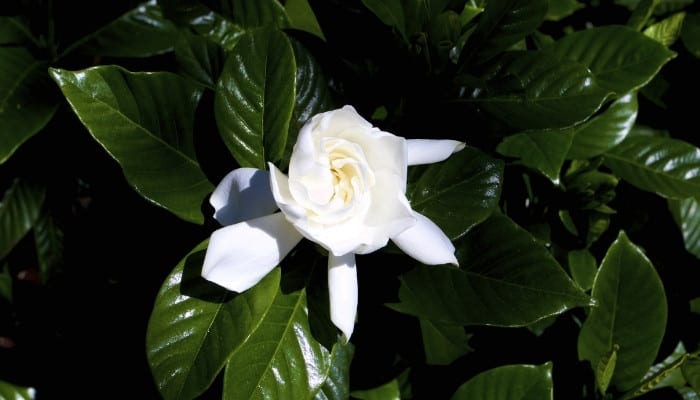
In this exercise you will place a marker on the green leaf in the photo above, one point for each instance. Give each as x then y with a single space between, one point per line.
502 24
144 121
141 32
301 16
509 382
337 385
27 99
387 391
534 90
16 392
280 358
668 30
503 282
5 283
559 9
669 167
14 31
199 59
48 239
543 150
604 131
390 12
641 14
255 14
690 34
195 326
19 210
255 97
203 21
691 371
457 193
630 312
621 59
443 343
666 373
660 7
583 267
605 369
686 213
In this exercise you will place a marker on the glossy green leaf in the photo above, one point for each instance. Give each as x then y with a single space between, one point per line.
509 382
196 326
583 267
141 32
641 14
443 343
686 213
280 358
48 239
605 369
390 12
387 391
144 121
301 16
502 24
337 385
668 30
27 101
604 131
255 97
669 167
202 20
534 90
544 150
621 59
559 9
19 210
11 391
690 33
668 372
255 14
504 282
457 193
630 312
5 283
199 59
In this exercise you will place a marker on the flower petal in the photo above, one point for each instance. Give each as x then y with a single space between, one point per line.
243 194
426 242
240 255
427 151
342 291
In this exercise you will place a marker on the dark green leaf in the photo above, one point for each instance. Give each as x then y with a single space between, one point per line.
195 326
559 9
144 121
14 31
255 97
255 14
691 371
502 24
387 391
443 343
604 131
48 239
668 30
543 150
5 283
390 12
19 209
544 92
27 99
509 382
507 279
641 14
665 166
141 32
666 373
690 34
621 59
204 21
10 391
301 16
199 59
686 213
458 193
630 312
583 267
337 385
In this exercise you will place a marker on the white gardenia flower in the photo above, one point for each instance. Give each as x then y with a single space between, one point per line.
346 191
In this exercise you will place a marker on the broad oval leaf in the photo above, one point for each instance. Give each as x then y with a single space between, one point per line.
199 59
255 97
443 343
630 312
543 93
457 193
301 16
141 32
544 150
583 267
509 382
621 59
508 279
144 121
195 326
604 131
686 213
668 30
27 99
666 166
19 210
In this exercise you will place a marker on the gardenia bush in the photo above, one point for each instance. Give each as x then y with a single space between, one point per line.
376 199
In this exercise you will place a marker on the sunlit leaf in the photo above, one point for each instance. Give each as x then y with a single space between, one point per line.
457 193
544 150
509 382
199 59
443 343
505 282
668 30
630 312
19 210
255 97
144 121
27 98
669 167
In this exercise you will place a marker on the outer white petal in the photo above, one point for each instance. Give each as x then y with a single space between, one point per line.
427 151
342 291
240 255
243 194
426 242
